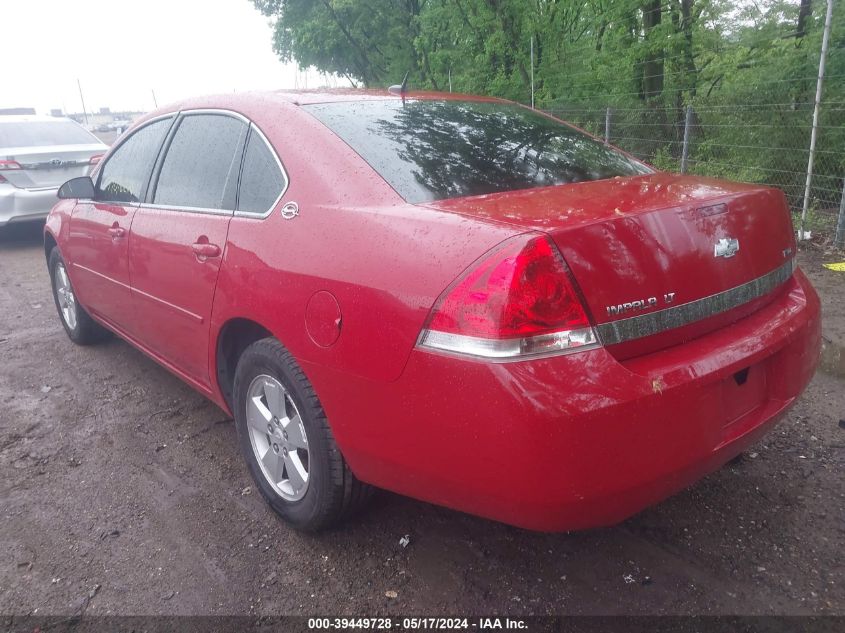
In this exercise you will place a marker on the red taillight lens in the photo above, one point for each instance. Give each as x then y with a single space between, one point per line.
8 165
518 301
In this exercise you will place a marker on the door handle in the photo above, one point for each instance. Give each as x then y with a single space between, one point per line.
117 231
204 249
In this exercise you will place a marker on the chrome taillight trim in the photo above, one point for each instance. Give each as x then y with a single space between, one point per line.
652 323
512 349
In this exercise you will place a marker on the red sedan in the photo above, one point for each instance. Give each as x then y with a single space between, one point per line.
455 298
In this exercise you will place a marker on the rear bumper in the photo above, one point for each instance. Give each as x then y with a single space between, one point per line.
25 204
577 441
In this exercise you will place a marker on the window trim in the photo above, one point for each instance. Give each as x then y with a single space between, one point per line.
251 214
152 186
98 172
151 180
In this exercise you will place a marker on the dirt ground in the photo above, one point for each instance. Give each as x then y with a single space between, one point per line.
122 492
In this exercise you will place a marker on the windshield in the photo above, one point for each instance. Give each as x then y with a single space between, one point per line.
431 150
41 133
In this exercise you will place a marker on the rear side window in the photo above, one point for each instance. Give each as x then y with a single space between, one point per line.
127 169
43 133
430 150
262 180
201 166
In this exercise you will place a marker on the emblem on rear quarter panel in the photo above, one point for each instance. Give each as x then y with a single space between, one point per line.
290 211
726 247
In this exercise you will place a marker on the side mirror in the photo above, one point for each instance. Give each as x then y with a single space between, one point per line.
81 188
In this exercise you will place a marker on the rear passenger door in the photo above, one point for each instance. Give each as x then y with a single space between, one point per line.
179 234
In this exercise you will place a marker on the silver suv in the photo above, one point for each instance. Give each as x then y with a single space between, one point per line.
37 154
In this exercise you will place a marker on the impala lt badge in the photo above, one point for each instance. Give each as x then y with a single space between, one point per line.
639 304
726 247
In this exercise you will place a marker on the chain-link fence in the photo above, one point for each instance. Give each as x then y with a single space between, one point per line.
753 142
764 106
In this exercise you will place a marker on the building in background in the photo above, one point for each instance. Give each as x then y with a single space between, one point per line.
17 111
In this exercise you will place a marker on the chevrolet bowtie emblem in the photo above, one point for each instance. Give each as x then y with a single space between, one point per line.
726 247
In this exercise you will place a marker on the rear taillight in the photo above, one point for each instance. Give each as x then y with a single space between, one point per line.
8 165
518 302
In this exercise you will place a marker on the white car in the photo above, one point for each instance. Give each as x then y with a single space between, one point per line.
121 125
37 154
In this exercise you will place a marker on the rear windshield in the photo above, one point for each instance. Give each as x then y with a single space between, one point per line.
41 133
431 150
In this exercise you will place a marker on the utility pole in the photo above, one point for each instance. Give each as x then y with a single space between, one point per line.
685 149
532 72
82 99
814 133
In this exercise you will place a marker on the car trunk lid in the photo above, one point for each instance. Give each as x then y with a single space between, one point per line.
43 167
659 258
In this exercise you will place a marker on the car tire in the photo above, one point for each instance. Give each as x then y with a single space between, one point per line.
80 327
287 443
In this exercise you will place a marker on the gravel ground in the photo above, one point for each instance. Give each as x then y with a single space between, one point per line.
122 492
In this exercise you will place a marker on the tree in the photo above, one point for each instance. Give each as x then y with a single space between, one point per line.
371 42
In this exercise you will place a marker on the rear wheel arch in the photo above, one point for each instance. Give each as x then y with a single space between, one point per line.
287 442
232 339
49 244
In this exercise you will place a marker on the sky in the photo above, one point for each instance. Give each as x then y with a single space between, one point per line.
122 51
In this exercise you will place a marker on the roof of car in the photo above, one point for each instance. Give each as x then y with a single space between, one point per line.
22 118
241 101
326 95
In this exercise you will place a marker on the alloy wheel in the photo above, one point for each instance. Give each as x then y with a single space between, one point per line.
278 438
67 300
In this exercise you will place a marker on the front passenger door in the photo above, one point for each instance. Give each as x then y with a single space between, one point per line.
97 246
178 238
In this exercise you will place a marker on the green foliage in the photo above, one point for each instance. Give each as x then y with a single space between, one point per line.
365 41
664 160
747 68
583 50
